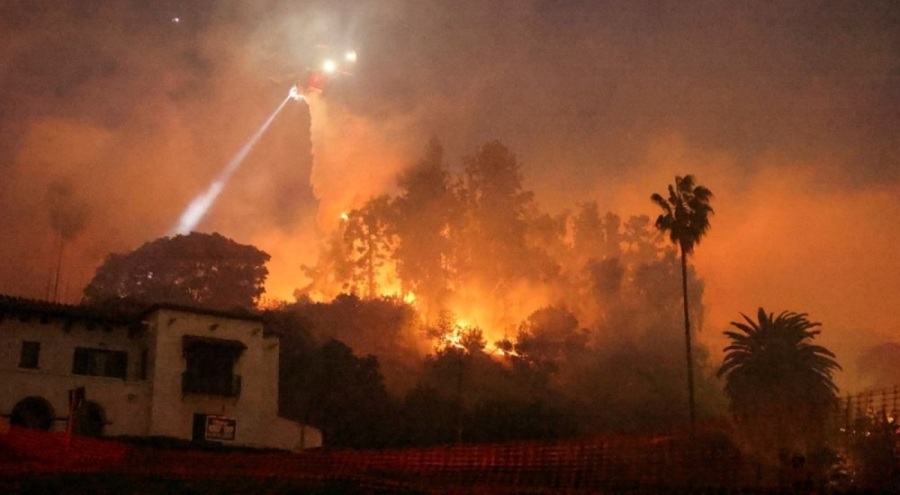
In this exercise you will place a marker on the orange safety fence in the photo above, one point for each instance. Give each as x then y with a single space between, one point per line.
571 465
637 464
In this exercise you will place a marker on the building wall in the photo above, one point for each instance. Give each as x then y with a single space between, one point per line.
125 402
152 403
255 410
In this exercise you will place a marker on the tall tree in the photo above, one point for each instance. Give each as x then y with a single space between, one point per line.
208 270
686 219
332 274
496 207
500 242
776 378
68 217
427 214
370 242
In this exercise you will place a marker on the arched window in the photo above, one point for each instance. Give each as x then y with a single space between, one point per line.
32 412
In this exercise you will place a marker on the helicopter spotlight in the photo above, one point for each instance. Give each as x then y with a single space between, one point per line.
316 79
295 93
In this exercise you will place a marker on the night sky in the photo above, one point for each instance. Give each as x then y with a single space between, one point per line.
113 115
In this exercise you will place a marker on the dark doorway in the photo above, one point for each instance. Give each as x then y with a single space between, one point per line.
199 430
90 419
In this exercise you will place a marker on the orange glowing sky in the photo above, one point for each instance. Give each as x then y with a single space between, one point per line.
788 111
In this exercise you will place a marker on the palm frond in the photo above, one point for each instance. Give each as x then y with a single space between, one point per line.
771 358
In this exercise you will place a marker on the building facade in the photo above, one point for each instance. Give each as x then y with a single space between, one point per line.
168 371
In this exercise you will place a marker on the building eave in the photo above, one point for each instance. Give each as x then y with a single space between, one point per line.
238 314
49 311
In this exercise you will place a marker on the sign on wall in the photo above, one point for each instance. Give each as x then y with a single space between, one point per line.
220 428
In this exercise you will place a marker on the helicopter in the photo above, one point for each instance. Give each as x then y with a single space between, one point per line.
316 79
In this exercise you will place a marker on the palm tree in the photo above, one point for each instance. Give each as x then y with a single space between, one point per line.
686 218
770 364
780 385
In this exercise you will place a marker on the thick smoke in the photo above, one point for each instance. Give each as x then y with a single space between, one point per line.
787 112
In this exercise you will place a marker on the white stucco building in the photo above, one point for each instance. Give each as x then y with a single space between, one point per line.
168 371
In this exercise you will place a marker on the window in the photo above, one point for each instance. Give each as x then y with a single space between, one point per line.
30 356
100 362
210 366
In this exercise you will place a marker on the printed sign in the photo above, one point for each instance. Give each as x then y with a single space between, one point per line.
220 428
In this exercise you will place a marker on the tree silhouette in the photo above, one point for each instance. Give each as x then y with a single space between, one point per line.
370 243
548 336
686 219
331 388
68 217
197 269
385 327
777 379
427 213
497 207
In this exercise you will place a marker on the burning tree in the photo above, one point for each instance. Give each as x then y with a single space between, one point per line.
427 217
497 216
369 242
476 244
